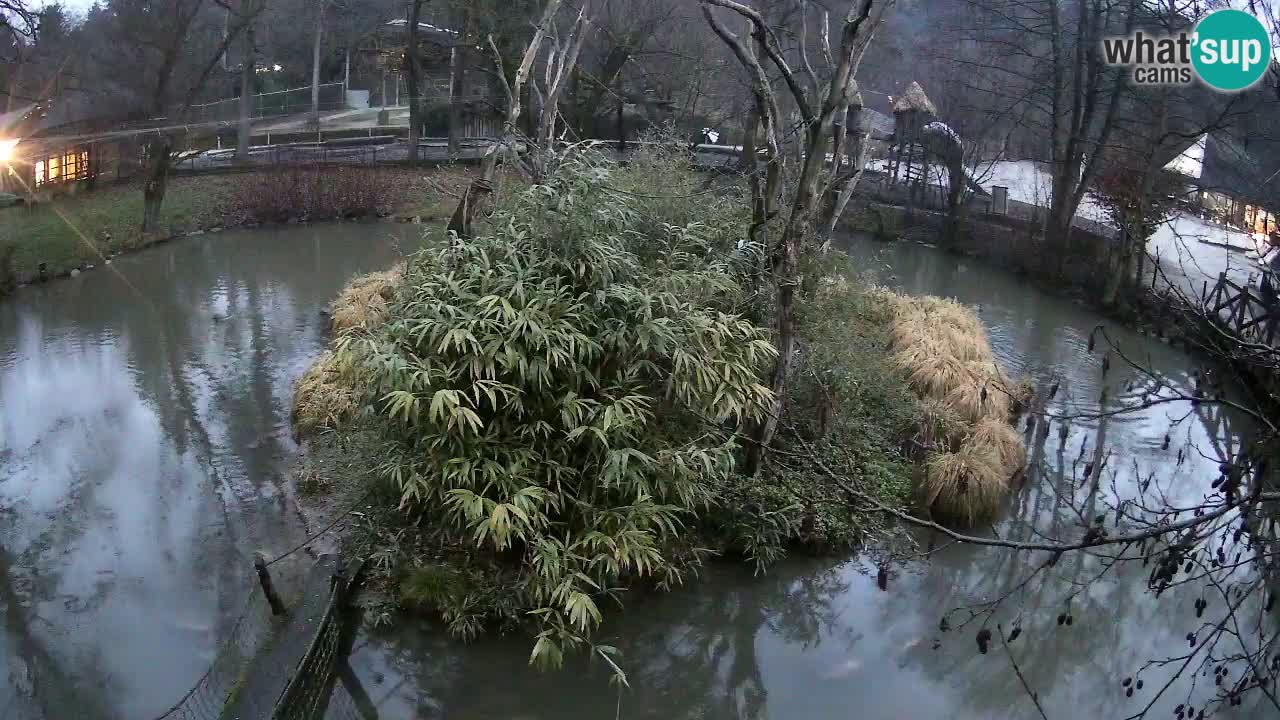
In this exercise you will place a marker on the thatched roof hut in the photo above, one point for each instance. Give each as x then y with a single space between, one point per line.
914 100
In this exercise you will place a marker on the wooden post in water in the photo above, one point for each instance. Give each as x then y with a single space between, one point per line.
268 587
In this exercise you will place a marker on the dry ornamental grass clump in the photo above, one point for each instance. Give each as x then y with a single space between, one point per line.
942 348
363 303
323 398
966 486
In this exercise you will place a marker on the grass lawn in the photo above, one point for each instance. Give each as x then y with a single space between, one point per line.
72 232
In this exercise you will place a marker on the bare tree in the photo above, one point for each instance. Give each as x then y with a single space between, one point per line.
817 109
563 59
162 34
246 12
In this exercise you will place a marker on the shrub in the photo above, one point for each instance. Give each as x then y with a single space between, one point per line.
851 407
7 278
557 403
314 192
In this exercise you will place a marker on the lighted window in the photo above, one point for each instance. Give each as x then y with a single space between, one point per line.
55 169
40 178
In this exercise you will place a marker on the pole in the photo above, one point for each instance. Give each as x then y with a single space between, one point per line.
268 587
346 75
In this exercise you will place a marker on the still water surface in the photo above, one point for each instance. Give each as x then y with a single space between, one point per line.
143 434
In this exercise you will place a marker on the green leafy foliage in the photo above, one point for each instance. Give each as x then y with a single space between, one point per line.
853 410
558 396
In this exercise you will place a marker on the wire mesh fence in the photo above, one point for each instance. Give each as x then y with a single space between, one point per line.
280 667
307 694
208 698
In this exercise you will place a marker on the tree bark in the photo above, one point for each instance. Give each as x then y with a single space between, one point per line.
158 160
457 80
412 65
482 187
315 65
245 124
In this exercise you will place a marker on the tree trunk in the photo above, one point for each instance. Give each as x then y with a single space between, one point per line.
245 125
955 192
465 213
315 65
158 158
411 63
620 121
457 80
747 160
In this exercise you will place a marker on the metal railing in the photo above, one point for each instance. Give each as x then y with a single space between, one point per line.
272 104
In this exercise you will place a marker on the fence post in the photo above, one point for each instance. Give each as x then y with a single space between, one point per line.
1243 305
268 587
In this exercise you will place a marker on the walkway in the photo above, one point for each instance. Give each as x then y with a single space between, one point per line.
268 674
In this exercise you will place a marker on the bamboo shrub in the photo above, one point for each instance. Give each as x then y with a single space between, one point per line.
559 405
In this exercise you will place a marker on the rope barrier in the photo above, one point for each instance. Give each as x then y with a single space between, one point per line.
344 515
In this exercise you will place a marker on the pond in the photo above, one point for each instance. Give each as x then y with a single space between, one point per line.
144 427
144 431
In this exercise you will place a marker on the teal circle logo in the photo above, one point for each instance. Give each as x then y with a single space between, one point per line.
1231 50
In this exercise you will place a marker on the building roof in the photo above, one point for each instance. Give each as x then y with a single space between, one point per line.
914 99
423 26
876 124
1234 168
14 118
1246 169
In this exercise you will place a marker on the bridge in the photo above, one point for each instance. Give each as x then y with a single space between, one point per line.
286 661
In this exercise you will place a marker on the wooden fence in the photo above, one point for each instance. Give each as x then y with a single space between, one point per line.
1242 310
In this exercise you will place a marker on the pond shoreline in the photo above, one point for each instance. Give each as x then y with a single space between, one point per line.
74 234
212 230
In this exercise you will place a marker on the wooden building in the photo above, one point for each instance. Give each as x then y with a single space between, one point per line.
907 156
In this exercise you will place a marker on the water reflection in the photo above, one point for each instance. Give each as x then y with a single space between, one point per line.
143 431
143 421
